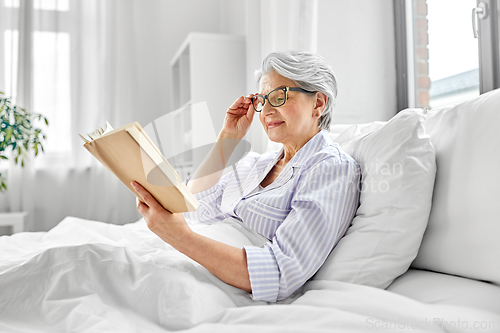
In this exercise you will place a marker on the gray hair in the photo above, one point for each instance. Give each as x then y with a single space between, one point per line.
309 71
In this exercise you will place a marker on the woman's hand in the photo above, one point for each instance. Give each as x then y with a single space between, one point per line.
238 119
172 228
226 262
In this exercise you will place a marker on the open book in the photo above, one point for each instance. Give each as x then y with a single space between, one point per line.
130 154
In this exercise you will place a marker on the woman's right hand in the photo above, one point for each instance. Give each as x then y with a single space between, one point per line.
238 118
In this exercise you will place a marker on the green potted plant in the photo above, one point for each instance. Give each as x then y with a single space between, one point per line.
18 133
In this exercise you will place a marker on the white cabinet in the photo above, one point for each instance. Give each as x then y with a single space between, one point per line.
13 220
207 68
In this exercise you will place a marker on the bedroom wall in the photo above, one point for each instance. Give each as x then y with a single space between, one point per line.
160 27
357 40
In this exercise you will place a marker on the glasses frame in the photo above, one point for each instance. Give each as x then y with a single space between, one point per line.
285 90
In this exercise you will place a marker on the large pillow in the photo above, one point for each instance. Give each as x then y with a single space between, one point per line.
463 236
398 168
349 132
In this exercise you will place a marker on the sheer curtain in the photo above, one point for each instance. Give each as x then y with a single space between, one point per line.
276 25
69 61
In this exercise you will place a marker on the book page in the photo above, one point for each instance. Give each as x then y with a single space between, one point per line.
150 149
97 133
154 153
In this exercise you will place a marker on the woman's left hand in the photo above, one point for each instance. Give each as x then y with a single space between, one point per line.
171 227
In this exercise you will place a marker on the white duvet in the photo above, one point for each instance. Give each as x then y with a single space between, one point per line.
86 276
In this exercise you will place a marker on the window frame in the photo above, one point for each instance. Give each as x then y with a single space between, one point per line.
402 61
489 47
489 50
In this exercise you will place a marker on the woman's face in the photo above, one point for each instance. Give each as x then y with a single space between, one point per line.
293 123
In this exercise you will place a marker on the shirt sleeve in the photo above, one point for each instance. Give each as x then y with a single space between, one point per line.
322 208
210 201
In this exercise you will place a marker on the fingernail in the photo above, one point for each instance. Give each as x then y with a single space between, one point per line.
133 184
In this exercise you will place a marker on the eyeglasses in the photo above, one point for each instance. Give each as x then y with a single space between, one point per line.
276 98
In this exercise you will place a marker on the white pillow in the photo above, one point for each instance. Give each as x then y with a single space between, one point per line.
398 168
463 236
350 132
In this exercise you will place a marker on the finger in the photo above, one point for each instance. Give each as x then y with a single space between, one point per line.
142 208
237 103
240 106
248 99
250 112
138 199
247 102
147 198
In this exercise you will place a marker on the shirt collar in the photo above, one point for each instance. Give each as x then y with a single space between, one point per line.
315 144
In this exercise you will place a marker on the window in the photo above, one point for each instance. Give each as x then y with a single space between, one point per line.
10 55
48 66
440 61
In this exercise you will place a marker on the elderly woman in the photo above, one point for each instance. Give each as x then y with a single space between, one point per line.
302 198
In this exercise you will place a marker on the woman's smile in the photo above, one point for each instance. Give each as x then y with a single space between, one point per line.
273 124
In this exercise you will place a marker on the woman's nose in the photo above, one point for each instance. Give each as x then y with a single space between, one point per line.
268 109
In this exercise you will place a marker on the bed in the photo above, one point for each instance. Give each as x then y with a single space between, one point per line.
421 254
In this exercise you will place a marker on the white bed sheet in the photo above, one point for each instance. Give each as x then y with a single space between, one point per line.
87 276
438 288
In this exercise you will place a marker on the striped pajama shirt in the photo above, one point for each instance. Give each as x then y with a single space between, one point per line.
303 213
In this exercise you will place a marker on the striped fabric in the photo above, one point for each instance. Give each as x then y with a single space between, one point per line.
303 213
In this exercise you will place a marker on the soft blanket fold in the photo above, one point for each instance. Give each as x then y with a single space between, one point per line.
86 276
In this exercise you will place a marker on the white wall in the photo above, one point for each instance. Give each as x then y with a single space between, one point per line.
357 40
355 37
160 27
233 17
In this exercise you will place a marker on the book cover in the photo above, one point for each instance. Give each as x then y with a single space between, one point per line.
131 155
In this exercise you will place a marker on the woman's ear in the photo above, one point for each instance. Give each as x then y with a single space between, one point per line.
320 104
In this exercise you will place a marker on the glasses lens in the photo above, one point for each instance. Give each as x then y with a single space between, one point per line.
277 97
258 103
